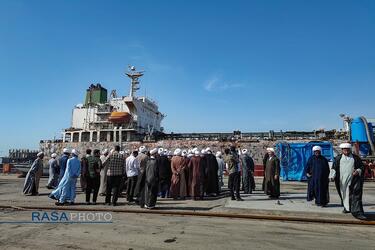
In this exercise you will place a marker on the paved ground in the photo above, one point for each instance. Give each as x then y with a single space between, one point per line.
175 232
146 231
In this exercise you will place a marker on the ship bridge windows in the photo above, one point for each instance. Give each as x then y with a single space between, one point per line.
85 137
75 137
94 136
103 136
106 136
68 137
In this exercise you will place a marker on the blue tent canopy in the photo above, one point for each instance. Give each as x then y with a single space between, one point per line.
294 156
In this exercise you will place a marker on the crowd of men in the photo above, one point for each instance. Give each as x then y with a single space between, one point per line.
144 175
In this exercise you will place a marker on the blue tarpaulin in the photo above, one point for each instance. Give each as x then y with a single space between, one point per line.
294 156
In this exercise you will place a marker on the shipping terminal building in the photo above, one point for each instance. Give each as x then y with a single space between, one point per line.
118 119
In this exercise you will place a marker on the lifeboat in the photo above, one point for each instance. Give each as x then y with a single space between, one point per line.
119 117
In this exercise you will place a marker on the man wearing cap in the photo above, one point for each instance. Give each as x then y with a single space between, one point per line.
66 191
63 160
247 164
31 185
116 169
149 193
53 172
349 176
317 172
165 173
103 172
272 175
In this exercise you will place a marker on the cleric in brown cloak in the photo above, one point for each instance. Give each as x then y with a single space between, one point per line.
272 175
195 172
178 182
184 155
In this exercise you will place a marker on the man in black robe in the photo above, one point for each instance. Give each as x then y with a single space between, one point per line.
265 158
165 173
203 173
212 180
349 177
84 170
272 175
247 163
317 171
149 193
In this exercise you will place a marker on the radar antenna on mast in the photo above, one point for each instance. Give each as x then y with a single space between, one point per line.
134 75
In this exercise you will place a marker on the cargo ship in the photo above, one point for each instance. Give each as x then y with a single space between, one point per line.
114 119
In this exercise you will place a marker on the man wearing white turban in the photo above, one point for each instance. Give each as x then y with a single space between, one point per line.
62 163
247 164
149 193
317 172
210 178
142 158
103 172
66 191
221 168
272 175
53 172
195 173
31 185
165 174
178 182
348 171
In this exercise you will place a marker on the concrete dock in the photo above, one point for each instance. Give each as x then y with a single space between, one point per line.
132 228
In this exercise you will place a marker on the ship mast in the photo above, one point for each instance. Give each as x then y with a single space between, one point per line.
134 75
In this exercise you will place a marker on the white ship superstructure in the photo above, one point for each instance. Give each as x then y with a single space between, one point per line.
117 119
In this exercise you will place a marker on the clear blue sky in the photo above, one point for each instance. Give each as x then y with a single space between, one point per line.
211 65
